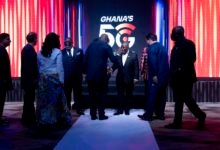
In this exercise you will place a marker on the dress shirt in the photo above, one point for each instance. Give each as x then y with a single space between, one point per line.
124 58
70 52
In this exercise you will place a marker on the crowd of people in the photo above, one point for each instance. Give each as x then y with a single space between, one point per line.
57 77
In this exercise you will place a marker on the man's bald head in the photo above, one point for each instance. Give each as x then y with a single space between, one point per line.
104 37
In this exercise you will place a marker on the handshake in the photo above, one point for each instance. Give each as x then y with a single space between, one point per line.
109 71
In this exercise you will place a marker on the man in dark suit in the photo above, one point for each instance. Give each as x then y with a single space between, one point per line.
5 74
158 73
96 59
128 74
29 78
183 75
73 67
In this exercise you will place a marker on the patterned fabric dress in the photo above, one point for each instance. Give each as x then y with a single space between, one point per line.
52 105
143 64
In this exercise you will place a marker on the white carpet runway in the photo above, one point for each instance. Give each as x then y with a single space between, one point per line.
117 133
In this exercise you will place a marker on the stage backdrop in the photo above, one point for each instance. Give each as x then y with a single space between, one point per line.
120 19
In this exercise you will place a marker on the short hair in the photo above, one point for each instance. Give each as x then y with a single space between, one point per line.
31 37
3 36
178 31
151 36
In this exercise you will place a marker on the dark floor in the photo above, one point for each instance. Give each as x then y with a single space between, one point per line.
17 137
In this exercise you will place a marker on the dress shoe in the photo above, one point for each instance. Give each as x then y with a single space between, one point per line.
143 117
117 113
159 118
80 112
173 126
94 117
201 121
127 113
103 117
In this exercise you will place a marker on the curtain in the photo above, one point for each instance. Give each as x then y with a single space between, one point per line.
201 21
19 17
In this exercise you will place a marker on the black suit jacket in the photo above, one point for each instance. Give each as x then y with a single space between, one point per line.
73 65
183 57
96 59
130 70
29 67
5 70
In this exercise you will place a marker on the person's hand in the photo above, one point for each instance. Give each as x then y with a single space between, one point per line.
143 77
155 79
135 81
109 70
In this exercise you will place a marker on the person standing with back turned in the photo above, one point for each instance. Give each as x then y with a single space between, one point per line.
96 59
158 74
29 78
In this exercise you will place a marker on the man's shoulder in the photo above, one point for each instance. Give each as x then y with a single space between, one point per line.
2 51
78 49
132 52
190 42
28 48
1 48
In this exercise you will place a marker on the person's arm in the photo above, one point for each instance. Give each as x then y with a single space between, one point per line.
111 55
163 71
85 61
81 61
153 61
60 69
136 68
192 52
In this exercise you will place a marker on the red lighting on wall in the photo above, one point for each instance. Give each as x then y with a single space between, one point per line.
201 21
19 17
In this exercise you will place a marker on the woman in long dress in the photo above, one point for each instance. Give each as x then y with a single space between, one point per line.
51 107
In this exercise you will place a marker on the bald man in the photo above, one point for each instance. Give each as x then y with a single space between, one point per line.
96 58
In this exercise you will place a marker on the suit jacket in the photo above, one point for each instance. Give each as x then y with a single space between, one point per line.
130 70
158 64
73 65
5 70
96 59
183 57
29 67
